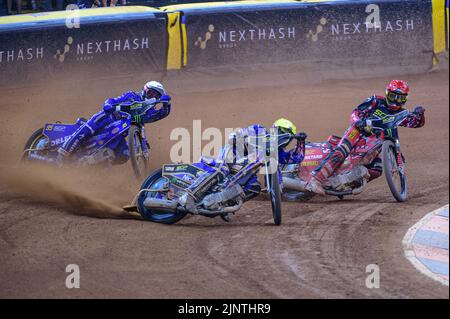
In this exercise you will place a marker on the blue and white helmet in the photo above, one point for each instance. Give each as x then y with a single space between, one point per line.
152 90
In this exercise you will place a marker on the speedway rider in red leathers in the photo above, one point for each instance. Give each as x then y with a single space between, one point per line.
393 102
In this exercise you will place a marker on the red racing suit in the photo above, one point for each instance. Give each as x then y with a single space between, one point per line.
355 133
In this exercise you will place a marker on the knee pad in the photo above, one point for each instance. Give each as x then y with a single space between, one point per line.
330 164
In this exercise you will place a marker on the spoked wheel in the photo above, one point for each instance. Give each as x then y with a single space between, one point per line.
38 142
139 160
156 182
395 173
275 197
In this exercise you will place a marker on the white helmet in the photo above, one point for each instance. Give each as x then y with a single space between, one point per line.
153 89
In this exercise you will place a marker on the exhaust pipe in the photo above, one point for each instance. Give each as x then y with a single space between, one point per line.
164 204
160 203
294 184
225 210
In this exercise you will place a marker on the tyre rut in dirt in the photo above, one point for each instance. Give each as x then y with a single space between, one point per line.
275 197
32 142
138 160
390 167
155 181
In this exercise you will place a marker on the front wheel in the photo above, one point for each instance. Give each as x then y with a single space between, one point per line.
155 182
275 197
394 170
139 160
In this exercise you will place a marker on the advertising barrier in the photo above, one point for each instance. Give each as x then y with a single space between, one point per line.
323 31
104 45
212 37
160 3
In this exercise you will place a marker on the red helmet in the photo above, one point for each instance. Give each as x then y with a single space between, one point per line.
397 94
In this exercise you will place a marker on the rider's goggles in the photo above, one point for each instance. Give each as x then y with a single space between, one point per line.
398 99
284 130
152 94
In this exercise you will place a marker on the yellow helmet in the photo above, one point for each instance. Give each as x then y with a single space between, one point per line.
285 126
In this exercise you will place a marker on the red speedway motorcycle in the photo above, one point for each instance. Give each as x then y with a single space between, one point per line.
352 176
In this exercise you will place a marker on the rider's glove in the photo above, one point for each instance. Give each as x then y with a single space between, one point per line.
360 124
108 108
165 99
301 136
363 126
419 110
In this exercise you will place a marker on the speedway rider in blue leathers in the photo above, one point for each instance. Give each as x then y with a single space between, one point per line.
138 105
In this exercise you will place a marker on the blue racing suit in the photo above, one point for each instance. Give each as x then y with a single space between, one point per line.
139 108
292 156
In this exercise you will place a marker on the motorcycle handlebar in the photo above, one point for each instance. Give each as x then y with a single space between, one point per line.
380 124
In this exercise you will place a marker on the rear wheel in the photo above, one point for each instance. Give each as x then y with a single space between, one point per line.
155 182
395 173
275 197
37 141
139 160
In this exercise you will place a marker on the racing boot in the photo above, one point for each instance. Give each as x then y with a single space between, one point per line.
328 166
315 185
320 175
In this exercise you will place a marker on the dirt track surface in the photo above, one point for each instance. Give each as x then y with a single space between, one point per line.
320 251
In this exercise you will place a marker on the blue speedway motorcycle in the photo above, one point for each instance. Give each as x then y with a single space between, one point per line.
164 196
101 149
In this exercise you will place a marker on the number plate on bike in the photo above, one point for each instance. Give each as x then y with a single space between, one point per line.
174 169
181 175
